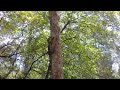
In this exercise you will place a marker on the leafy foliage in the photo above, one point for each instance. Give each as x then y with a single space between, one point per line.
86 43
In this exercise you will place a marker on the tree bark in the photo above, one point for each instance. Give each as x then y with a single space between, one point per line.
55 46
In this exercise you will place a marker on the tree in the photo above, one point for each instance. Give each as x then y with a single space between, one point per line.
55 53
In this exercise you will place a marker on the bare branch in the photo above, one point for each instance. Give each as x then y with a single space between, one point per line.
33 63
65 26
4 56
68 22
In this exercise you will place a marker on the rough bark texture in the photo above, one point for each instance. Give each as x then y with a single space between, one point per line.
55 47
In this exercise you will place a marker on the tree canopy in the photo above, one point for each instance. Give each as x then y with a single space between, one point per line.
89 44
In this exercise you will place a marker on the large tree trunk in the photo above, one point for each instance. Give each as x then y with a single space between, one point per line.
55 46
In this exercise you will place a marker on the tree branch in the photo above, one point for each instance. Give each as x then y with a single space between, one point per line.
68 22
65 26
33 63
5 45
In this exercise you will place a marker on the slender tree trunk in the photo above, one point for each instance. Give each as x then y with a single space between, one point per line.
55 46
